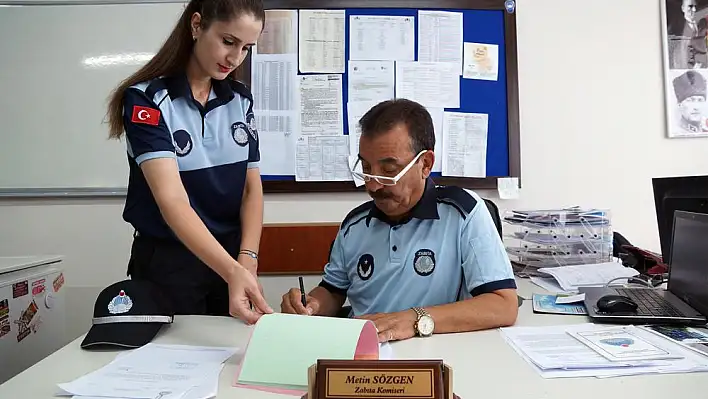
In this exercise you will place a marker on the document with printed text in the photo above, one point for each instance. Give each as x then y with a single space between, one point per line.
279 34
322 158
381 37
465 144
432 84
321 109
321 41
276 109
355 110
370 81
440 37
167 371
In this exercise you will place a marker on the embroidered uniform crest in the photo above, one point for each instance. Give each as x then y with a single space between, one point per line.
121 303
424 262
251 121
238 132
183 142
365 266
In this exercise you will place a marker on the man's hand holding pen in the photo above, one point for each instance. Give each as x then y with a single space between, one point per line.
298 302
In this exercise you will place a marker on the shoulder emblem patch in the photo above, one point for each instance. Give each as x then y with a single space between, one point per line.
121 303
424 262
365 266
238 132
251 121
145 115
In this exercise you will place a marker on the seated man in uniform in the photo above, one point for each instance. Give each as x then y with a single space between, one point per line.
418 259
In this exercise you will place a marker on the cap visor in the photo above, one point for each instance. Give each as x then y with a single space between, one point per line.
127 335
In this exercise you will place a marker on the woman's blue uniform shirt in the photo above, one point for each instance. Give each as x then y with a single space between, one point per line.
214 145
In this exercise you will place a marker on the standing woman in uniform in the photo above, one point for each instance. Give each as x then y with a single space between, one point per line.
195 197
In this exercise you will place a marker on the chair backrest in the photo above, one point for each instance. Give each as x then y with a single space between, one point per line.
494 211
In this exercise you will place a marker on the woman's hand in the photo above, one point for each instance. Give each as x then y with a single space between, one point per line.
251 265
244 290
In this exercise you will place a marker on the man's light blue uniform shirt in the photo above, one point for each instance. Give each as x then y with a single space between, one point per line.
448 249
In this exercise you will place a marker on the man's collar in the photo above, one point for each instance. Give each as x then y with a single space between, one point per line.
178 86
426 208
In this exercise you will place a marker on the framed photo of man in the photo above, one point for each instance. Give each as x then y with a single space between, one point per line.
685 45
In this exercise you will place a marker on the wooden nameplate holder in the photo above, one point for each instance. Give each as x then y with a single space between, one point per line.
379 379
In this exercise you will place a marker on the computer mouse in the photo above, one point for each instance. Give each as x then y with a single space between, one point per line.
616 304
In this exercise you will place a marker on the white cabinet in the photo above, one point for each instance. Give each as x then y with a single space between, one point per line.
32 315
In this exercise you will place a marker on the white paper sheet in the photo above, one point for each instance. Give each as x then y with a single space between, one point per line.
321 158
552 347
321 41
151 371
440 37
355 110
370 81
353 165
623 343
508 187
596 274
275 91
432 84
208 389
436 114
279 34
465 144
481 61
321 110
381 37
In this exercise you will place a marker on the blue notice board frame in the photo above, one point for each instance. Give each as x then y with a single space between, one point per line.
485 21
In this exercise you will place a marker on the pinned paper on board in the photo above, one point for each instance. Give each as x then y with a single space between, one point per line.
508 187
278 365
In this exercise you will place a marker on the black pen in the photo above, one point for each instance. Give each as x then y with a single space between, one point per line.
302 292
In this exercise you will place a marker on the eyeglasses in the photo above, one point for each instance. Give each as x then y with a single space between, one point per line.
384 180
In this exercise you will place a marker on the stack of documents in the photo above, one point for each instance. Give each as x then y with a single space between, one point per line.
309 338
567 279
589 350
155 371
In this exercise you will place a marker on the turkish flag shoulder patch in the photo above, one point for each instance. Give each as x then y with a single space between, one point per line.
145 115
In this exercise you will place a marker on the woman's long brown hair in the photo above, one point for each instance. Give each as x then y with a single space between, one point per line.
175 52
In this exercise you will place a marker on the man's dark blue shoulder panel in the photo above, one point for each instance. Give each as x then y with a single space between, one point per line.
241 88
457 197
357 213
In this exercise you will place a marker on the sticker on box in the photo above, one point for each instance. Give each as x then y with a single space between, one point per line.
58 282
38 287
20 289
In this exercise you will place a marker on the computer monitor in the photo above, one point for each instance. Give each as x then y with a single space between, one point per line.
684 193
688 275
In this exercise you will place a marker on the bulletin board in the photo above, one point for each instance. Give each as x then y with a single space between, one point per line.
484 21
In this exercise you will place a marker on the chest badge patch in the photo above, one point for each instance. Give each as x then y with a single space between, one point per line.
251 120
365 266
424 262
183 142
238 132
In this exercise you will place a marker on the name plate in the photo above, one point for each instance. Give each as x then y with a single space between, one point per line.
385 379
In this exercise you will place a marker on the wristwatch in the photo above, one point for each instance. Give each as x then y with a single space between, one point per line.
424 325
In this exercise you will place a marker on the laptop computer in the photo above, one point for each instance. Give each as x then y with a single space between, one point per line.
685 301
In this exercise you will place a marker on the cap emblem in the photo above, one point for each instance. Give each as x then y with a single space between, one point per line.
121 303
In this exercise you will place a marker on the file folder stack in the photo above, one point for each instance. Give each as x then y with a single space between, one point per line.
552 238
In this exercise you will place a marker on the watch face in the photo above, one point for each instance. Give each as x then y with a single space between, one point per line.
426 325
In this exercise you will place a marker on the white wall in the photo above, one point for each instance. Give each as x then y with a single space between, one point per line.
590 87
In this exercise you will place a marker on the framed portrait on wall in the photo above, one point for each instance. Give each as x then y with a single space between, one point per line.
685 46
